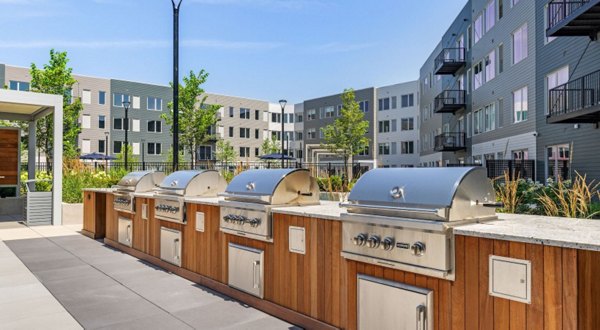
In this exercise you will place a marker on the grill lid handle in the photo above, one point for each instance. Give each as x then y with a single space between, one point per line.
397 192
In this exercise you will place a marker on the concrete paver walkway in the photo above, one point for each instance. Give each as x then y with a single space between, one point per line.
104 288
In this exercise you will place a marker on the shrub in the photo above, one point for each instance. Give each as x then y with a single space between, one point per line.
571 199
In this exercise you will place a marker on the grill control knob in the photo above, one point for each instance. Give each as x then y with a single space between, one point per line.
254 222
387 243
418 249
373 242
359 239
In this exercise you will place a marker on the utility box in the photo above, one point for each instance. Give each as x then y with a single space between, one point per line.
510 278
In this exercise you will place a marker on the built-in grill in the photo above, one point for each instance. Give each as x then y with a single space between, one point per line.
134 182
246 210
403 218
169 204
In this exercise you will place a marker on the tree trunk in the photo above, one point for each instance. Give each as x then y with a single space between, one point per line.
345 178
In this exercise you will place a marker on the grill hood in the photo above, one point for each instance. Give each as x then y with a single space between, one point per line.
139 181
274 187
440 194
207 183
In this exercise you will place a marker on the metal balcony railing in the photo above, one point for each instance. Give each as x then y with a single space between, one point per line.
450 60
450 100
573 18
577 101
451 141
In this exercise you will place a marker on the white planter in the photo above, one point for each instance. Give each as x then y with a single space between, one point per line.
72 213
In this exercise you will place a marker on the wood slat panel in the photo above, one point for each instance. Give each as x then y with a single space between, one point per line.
569 287
552 288
457 288
588 268
472 283
518 311
535 310
501 306
486 302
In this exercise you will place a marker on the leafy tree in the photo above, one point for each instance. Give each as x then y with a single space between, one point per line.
346 136
56 78
225 152
196 119
270 146
170 155
130 157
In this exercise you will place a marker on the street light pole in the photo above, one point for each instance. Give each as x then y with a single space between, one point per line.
143 158
106 151
282 103
126 126
176 83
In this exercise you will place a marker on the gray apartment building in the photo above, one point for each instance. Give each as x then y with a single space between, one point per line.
323 111
508 72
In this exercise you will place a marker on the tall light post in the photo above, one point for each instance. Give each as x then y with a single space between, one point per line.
126 105
176 83
282 103
106 150
143 158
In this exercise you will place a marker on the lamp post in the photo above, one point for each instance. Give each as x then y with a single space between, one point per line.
106 151
143 158
176 83
126 105
282 103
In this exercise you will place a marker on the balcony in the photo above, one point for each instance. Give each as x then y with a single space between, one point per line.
453 141
449 61
450 101
573 18
575 102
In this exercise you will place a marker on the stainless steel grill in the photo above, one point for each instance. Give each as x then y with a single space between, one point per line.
403 218
246 210
174 188
131 183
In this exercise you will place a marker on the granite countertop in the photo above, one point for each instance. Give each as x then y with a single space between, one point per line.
204 200
146 194
563 232
325 210
102 190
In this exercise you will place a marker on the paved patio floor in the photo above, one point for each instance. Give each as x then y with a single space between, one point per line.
53 277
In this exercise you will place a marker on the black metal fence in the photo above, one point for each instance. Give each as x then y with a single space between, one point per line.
451 141
450 55
558 10
577 94
523 169
450 100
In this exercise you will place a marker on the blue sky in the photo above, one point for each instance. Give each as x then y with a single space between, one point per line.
265 49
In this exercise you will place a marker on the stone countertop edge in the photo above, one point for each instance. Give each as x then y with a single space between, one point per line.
214 201
582 234
102 190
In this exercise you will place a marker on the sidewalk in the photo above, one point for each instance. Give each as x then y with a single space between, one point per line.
100 287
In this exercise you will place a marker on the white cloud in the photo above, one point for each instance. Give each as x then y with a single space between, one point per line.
106 44
340 47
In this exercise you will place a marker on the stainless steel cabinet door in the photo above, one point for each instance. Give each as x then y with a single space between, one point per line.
246 269
170 245
125 231
390 305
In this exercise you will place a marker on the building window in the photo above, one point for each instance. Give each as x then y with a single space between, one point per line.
256 133
500 9
408 100
407 147
407 124
101 146
101 121
119 98
86 121
244 113
477 75
558 161
120 124
384 104
155 126
384 126
520 104
154 103
256 152
484 120
244 152
299 136
231 112
363 106
205 153
230 131
311 114
520 44
275 117
522 154
311 133
364 152
154 148
86 146
478 28
328 112
101 97
117 145
501 58
18 86
135 104
299 118
384 148
555 79
490 15
86 96
394 102
490 66
244 133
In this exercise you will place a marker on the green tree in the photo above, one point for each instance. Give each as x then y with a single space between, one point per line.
346 136
130 157
56 78
196 118
269 146
170 155
225 152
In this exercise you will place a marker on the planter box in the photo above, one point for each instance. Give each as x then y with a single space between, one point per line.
12 206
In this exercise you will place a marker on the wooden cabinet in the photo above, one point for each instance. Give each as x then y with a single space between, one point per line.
94 214
9 156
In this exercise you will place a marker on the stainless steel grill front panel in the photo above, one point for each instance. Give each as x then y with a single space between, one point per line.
246 222
170 209
124 202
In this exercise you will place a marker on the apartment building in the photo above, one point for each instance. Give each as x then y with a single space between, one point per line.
323 111
275 117
243 122
298 144
398 125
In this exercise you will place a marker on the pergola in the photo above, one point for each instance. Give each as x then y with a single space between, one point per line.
30 107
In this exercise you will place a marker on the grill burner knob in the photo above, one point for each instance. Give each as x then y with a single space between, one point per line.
418 249
373 242
254 222
359 239
387 243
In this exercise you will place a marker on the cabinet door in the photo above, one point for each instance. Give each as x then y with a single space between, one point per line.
170 245
246 269
125 231
385 305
